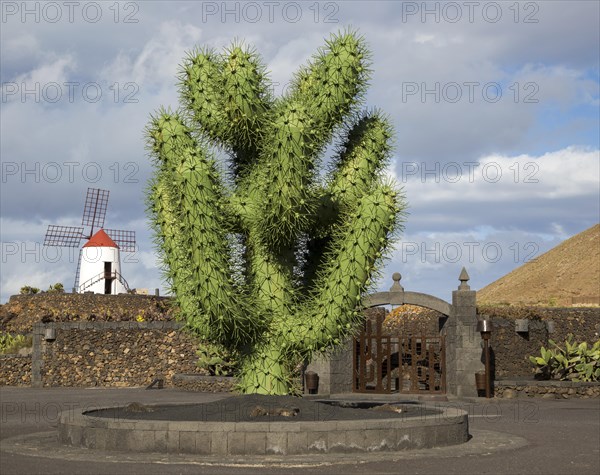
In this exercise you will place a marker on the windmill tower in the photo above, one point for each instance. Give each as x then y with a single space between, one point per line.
99 263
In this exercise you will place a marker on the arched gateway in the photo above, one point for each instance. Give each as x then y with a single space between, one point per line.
376 362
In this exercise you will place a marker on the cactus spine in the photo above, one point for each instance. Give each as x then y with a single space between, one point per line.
268 258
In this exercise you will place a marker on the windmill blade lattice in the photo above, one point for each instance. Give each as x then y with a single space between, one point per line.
94 211
124 239
63 236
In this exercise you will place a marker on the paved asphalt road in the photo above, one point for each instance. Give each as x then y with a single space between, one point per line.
518 436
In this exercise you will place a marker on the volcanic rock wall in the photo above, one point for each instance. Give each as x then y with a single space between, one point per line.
128 340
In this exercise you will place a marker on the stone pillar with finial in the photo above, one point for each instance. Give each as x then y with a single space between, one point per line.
396 286
463 343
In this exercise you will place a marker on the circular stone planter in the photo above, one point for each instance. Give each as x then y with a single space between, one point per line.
139 432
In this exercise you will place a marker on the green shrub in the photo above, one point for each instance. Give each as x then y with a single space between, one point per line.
215 359
27 290
10 344
58 287
570 362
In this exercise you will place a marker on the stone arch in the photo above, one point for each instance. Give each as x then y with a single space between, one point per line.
463 342
397 296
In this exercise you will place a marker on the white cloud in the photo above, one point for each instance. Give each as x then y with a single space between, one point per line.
566 86
567 173
156 64
558 133
23 44
55 70
44 81
422 39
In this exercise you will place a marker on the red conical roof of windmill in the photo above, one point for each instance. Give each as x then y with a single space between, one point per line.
100 239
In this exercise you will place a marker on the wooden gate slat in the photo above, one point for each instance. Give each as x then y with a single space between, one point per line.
425 353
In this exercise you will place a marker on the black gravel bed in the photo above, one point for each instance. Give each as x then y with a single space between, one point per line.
260 408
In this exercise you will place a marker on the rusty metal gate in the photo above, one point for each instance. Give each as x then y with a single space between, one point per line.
388 363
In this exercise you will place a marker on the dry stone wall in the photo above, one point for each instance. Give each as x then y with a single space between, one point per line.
21 312
511 349
546 389
115 353
15 370
128 340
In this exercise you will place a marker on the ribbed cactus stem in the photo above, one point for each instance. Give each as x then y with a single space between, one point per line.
270 278
338 288
271 261
283 206
201 92
169 241
362 157
264 372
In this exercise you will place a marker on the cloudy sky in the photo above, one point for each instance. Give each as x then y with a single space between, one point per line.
495 107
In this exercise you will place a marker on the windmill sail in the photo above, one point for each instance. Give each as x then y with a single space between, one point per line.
63 236
94 210
124 239
101 271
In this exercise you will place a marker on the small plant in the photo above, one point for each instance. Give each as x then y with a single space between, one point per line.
572 361
215 359
58 287
28 290
10 344
140 317
545 364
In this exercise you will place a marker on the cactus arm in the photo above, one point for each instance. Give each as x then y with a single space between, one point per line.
334 82
283 202
274 202
269 272
246 99
270 278
226 313
166 135
200 92
361 158
228 96
356 168
195 221
165 221
332 312
321 96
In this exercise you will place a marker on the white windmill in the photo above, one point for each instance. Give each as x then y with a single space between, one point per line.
99 264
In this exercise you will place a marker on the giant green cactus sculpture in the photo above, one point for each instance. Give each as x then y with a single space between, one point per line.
269 258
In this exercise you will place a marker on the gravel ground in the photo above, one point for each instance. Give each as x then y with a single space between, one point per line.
259 408
510 437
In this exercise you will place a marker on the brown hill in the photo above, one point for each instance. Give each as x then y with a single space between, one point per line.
570 270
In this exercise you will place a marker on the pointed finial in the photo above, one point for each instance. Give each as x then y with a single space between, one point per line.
464 278
396 287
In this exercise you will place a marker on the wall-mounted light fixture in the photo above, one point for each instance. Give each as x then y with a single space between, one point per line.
484 327
50 334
